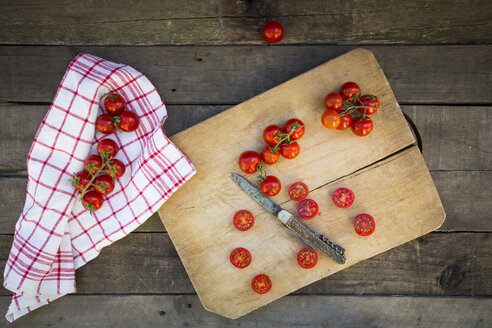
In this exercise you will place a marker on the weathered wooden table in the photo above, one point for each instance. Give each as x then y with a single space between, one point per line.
204 57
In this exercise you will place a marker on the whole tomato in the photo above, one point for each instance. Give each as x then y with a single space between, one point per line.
105 124
93 163
362 127
108 146
348 90
113 103
80 180
273 32
370 101
330 119
270 134
103 184
128 121
299 132
345 122
248 161
115 168
268 156
92 201
270 186
333 101
290 150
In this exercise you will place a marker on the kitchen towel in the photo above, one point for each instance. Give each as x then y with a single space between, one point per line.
55 235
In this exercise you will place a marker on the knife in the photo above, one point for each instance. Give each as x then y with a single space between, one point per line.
292 222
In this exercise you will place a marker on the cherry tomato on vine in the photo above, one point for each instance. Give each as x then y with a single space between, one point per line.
243 220
261 284
92 201
298 191
116 168
273 32
348 90
333 101
299 132
290 150
128 121
92 163
364 224
369 101
113 103
343 197
307 209
362 128
109 146
105 123
268 156
270 134
307 258
240 257
330 119
103 184
270 186
248 161
80 180
345 122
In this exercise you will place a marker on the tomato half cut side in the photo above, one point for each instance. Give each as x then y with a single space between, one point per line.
298 191
307 258
240 257
243 220
261 284
307 209
364 224
343 197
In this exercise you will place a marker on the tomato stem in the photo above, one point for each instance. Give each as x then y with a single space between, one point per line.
286 136
105 161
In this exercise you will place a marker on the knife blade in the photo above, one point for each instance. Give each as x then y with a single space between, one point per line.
292 222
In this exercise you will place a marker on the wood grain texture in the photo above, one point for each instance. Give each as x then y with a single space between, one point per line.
219 22
230 75
292 311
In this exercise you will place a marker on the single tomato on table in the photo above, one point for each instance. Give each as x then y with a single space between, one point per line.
298 191
268 156
362 127
348 90
364 224
270 186
81 180
343 197
290 150
240 257
115 168
105 123
243 220
369 101
93 163
113 103
307 209
103 184
330 119
249 161
261 284
307 258
270 134
273 32
333 101
289 126
109 146
92 201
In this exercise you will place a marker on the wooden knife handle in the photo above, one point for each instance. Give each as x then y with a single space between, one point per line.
316 240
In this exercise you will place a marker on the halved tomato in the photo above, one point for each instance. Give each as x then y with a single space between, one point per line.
243 220
364 224
240 257
298 191
307 209
343 197
307 258
261 284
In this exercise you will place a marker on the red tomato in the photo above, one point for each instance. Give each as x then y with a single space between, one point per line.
307 209
299 132
298 191
248 161
343 197
333 101
109 146
307 258
370 101
268 156
290 150
80 180
362 128
364 224
349 89
115 168
240 257
92 163
103 184
92 201
261 284
113 103
273 32
128 121
105 124
243 220
330 119
345 122
270 186
270 134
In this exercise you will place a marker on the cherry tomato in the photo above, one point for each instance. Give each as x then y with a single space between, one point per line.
345 122
92 163
364 224
92 201
105 124
240 257
348 90
109 146
273 32
113 103
248 161
261 284
270 186
307 258
116 168
299 132
103 184
330 119
298 191
333 101
270 134
290 150
307 209
362 128
343 197
243 220
80 180
268 156
370 101
128 121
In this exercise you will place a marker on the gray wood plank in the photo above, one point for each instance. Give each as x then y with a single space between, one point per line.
230 75
290 311
240 22
457 264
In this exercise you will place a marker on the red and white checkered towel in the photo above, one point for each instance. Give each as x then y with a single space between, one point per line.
55 235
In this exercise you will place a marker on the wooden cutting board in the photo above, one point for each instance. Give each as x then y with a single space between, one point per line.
384 169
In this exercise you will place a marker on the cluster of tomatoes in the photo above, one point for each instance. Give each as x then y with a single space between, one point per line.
280 142
364 223
342 106
116 118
